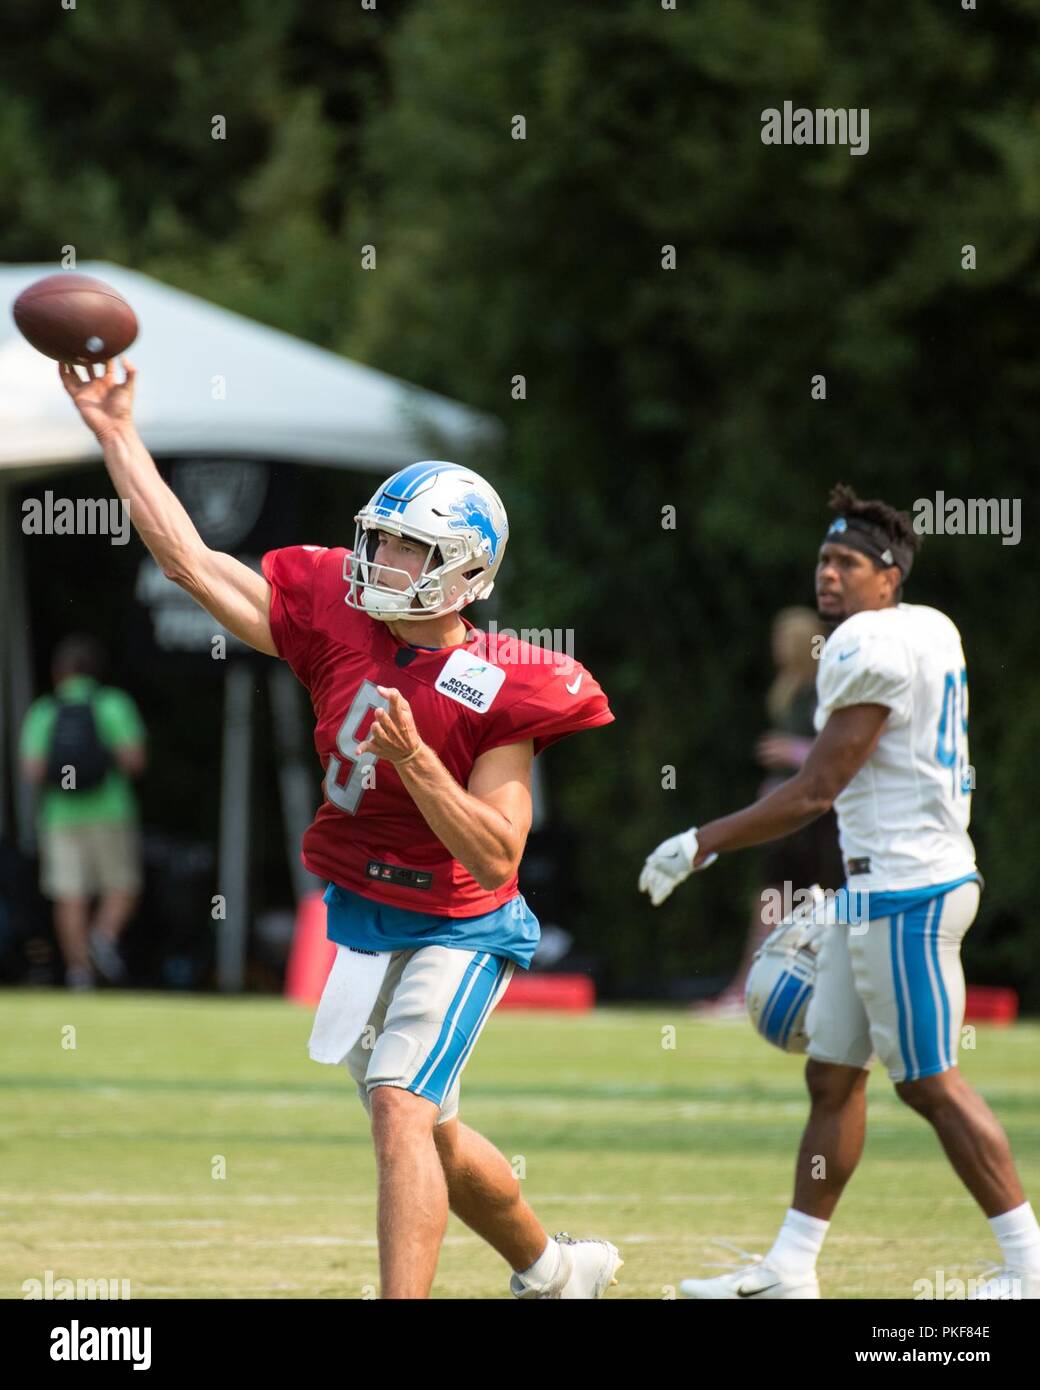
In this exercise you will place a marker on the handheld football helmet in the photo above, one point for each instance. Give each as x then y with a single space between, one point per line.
451 510
783 974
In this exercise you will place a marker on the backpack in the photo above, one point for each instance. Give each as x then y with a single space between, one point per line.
75 743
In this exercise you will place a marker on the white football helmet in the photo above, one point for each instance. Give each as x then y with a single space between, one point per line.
451 510
783 974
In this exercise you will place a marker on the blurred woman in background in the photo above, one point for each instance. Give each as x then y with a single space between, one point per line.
812 854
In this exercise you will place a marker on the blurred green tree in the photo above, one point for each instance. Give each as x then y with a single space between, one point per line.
645 387
690 387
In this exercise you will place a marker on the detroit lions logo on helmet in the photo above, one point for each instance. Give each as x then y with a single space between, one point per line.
472 510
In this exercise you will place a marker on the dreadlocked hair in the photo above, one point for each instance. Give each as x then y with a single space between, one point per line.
896 525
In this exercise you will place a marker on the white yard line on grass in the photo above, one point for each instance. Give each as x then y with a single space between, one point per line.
352 1199
237 1242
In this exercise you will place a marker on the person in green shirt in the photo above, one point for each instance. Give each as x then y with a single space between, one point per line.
89 837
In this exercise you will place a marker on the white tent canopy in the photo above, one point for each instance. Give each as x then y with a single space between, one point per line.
213 382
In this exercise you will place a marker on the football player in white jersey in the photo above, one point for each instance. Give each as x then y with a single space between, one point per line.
891 756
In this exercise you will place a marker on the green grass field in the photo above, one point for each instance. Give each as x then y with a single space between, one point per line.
108 1150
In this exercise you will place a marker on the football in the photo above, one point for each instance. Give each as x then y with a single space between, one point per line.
75 318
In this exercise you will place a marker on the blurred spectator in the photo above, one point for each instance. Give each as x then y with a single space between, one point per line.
81 746
812 854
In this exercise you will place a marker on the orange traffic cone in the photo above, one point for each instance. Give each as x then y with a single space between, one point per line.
311 954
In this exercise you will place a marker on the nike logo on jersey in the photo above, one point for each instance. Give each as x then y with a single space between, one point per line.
573 689
844 656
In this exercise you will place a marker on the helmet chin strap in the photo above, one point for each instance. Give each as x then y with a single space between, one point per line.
386 605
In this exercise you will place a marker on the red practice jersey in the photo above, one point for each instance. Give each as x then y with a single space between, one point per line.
368 835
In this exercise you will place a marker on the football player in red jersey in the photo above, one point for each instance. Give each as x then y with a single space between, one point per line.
426 729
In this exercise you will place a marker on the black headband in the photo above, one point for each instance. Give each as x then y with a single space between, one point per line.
871 540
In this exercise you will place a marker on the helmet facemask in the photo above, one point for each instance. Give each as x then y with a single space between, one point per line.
439 589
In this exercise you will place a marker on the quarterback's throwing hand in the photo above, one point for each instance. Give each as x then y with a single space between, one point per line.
393 734
671 862
104 402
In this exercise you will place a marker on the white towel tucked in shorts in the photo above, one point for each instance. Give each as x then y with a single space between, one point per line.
347 1002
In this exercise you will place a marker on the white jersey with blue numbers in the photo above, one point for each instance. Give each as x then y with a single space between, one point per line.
903 819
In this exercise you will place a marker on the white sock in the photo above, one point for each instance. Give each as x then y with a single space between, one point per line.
798 1243
545 1268
1019 1237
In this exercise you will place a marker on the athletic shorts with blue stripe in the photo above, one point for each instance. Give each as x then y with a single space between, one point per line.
430 1011
893 987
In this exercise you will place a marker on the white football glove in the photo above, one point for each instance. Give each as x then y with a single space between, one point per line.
671 863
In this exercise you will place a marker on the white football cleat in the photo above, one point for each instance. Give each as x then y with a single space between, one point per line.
1008 1283
588 1268
753 1281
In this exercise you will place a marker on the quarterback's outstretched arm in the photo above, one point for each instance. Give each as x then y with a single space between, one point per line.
236 596
846 742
